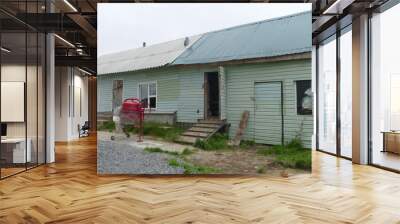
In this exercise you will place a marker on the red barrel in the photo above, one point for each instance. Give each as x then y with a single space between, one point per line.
132 105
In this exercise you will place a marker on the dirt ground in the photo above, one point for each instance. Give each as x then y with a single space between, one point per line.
228 161
240 161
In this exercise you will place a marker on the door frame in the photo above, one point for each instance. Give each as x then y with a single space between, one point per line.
205 94
282 114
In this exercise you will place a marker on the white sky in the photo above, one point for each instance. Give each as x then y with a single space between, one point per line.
125 26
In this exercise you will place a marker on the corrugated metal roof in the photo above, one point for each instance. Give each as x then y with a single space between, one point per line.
268 38
143 58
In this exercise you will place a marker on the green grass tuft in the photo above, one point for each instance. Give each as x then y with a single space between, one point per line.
261 170
244 144
291 155
192 169
216 142
158 150
186 152
174 163
107 126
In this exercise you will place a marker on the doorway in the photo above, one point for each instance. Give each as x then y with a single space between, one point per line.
211 95
117 94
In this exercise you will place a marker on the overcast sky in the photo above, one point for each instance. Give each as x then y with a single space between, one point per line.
125 26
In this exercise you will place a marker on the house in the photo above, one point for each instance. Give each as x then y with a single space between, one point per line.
262 67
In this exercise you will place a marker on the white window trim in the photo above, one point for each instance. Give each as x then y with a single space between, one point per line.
148 93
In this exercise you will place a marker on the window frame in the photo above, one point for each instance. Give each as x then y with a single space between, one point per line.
148 94
296 97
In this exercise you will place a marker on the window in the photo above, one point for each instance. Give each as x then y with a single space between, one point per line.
304 97
327 95
148 94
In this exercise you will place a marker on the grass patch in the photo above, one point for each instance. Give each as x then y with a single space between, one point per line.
291 155
216 142
174 163
158 150
186 152
164 131
107 126
261 170
244 144
192 169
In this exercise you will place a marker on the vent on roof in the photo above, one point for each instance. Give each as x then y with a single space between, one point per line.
144 44
186 42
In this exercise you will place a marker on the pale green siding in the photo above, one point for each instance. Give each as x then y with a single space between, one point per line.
241 81
178 90
181 90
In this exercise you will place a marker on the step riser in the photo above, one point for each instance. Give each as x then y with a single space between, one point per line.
205 126
195 134
204 130
187 139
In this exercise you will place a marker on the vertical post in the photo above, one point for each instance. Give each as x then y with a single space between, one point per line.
338 76
360 90
282 115
50 92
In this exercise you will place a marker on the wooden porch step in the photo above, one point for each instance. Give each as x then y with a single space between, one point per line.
195 134
210 122
187 139
200 129
200 125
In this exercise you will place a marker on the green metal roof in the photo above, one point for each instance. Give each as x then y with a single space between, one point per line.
267 38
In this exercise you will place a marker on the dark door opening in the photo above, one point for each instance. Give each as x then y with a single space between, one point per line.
212 95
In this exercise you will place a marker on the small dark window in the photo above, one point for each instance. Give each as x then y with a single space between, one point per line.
304 97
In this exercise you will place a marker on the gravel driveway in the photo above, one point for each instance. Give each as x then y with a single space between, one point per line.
121 157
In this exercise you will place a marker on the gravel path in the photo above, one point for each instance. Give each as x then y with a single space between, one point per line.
120 157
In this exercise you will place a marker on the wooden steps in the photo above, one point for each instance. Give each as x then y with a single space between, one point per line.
202 130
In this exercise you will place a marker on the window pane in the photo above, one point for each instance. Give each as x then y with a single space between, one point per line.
13 87
385 88
346 94
327 96
304 97
153 89
143 94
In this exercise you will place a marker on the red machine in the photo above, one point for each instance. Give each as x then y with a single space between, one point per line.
132 113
